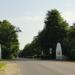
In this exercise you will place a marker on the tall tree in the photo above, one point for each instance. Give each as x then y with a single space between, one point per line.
55 30
71 39
8 39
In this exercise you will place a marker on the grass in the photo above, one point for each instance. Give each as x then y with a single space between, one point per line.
2 66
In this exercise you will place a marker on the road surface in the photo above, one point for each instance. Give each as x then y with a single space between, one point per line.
41 68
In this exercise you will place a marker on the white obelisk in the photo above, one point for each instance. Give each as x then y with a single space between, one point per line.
58 51
0 52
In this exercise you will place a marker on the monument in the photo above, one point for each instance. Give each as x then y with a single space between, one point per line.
58 51
0 51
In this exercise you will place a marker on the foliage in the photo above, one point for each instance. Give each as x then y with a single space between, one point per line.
55 30
32 49
71 38
8 39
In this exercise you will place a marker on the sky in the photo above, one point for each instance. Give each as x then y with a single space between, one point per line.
29 15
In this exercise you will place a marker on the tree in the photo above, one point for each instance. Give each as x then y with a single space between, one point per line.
55 30
71 38
32 49
8 39
26 51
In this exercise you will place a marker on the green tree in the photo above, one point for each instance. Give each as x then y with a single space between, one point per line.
71 38
32 49
26 51
55 30
8 39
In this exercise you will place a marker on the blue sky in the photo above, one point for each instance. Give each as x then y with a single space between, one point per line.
29 15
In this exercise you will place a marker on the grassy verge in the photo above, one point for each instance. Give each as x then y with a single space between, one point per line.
2 66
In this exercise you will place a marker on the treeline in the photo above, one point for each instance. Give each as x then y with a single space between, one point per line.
56 29
8 40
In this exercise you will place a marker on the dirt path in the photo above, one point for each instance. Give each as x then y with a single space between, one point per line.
11 69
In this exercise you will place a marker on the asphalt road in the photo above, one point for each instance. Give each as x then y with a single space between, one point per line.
46 68
36 67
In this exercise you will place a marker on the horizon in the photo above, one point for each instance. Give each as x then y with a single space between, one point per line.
29 15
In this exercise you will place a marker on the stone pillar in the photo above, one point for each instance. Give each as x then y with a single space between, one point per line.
58 51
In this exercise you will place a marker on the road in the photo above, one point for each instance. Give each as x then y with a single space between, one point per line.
43 68
47 68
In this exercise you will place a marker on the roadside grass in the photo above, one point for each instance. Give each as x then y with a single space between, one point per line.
2 66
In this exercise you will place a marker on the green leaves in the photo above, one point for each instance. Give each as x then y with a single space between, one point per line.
55 30
8 39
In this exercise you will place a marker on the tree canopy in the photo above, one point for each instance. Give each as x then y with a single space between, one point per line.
55 30
8 39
